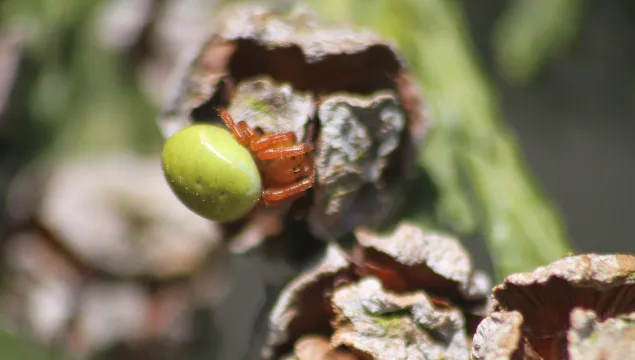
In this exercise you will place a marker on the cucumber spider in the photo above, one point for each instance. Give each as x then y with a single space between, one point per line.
223 176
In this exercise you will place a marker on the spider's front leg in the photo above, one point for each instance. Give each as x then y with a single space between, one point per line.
242 132
276 196
285 152
270 141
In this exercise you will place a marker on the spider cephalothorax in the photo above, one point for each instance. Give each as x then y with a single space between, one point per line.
286 167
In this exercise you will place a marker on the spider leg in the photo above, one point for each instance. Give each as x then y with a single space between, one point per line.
270 140
236 130
265 203
285 152
248 131
279 195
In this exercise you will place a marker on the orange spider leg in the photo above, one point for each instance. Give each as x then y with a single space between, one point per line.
285 152
287 199
280 195
270 140
236 130
250 134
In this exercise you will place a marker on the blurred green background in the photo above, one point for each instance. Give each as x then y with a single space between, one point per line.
545 85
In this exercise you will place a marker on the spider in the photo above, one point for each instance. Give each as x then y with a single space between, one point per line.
286 167
225 173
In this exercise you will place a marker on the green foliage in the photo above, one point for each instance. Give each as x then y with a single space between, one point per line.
530 31
474 162
74 88
12 347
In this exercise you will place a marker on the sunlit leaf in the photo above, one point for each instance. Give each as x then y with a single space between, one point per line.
532 30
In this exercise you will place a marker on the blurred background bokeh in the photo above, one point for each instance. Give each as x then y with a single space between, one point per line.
81 84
